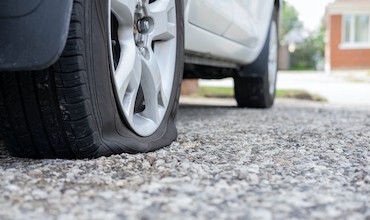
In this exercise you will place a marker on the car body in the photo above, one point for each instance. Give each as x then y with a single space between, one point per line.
232 30
90 78
229 30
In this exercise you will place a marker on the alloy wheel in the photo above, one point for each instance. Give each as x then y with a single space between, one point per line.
143 54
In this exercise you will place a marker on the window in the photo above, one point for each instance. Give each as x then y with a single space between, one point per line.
356 31
362 28
347 28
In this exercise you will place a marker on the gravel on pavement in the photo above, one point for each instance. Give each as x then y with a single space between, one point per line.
298 160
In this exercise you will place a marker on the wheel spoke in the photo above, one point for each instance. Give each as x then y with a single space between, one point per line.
127 67
128 76
153 88
124 10
162 12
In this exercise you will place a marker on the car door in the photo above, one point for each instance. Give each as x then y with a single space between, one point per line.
234 30
250 21
214 16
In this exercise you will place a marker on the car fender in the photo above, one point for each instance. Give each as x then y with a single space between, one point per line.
33 33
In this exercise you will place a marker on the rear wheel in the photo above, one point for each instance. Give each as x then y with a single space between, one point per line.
255 86
115 88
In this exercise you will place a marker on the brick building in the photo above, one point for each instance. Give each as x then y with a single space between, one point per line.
348 35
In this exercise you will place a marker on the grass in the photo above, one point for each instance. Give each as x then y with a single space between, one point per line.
301 68
227 92
300 94
219 92
354 79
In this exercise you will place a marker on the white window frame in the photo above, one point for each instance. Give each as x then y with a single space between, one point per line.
352 44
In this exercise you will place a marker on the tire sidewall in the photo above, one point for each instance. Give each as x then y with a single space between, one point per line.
256 77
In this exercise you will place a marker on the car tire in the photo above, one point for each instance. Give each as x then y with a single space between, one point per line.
94 102
255 86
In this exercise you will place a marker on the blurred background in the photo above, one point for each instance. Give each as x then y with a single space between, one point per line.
324 54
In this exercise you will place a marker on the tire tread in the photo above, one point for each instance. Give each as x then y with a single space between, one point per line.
47 114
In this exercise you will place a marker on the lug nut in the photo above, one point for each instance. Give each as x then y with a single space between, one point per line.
143 25
142 51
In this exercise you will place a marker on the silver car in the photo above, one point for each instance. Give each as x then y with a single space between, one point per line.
82 79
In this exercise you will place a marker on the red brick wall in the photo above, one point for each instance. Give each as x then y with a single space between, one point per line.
345 59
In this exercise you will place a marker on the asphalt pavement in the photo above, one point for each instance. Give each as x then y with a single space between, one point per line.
298 160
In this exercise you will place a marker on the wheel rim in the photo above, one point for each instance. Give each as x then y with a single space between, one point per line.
143 54
272 65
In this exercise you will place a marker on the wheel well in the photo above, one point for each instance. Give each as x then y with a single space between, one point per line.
278 9
277 4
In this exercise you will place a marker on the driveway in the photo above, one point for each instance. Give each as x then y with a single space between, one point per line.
298 160
341 88
338 88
